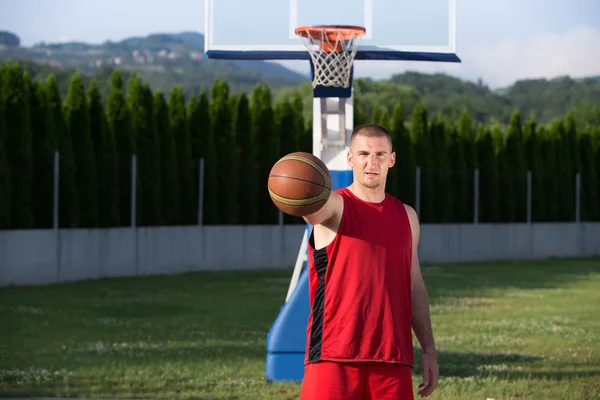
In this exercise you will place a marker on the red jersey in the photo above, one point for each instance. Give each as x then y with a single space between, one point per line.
360 286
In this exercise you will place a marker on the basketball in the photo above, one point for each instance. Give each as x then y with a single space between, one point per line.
299 184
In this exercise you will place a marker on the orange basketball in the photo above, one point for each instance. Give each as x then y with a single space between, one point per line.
299 184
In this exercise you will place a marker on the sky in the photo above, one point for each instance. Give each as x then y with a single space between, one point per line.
498 42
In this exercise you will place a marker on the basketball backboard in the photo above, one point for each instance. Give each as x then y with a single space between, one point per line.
395 29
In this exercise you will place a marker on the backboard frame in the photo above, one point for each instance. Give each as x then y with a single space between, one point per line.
298 52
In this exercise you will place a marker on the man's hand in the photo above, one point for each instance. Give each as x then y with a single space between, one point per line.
431 374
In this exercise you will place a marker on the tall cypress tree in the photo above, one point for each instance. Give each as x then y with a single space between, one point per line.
171 212
221 121
69 208
466 135
78 124
247 163
424 155
119 123
590 202
461 181
515 153
552 182
405 168
289 138
508 202
179 126
263 125
442 175
205 147
104 146
566 171
44 146
535 164
148 149
489 190
5 183
14 100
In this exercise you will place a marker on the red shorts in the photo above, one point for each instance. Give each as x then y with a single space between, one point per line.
356 381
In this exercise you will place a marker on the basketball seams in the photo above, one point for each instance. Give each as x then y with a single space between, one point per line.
323 173
300 202
299 179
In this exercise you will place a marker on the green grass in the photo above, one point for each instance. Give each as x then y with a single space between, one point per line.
504 331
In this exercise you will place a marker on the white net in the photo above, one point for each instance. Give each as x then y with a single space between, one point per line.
332 51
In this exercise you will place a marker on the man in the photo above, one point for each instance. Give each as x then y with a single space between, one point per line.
365 286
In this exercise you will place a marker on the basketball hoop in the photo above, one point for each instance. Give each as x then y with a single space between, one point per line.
332 49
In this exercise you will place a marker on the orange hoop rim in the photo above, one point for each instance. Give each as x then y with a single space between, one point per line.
333 32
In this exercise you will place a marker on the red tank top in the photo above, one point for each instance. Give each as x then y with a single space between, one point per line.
360 286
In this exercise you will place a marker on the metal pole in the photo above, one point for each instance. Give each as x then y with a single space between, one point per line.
529 196
55 217
133 190
578 197
418 192
200 191
476 197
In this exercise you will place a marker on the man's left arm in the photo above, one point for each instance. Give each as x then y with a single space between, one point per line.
421 321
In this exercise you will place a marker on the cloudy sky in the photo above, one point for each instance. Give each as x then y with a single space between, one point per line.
498 41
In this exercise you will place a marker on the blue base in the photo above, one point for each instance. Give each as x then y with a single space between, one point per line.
286 341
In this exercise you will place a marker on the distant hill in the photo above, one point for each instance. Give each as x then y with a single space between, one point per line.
164 59
545 98
167 59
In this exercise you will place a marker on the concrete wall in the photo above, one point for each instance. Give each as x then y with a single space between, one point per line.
46 256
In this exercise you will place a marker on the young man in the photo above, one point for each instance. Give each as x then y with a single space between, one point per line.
365 287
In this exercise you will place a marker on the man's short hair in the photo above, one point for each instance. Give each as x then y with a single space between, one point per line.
371 130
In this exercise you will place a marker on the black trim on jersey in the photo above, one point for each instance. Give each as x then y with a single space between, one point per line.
321 261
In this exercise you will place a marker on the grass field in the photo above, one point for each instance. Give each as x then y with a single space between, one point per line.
503 331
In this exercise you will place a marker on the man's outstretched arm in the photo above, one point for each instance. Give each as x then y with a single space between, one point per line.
421 321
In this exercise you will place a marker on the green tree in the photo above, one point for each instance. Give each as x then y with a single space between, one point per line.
78 124
550 145
149 161
565 171
442 174
69 208
489 189
14 101
119 122
171 211
221 121
535 164
105 155
517 167
247 163
405 167
288 135
424 156
43 147
466 135
179 126
461 181
205 147
590 202
5 183
268 152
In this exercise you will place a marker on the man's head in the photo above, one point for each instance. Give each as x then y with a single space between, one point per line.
371 155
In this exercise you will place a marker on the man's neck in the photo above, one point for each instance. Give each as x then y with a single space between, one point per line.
376 195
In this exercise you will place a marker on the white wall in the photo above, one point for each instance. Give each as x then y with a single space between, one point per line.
46 256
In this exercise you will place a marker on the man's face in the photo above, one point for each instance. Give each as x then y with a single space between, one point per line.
371 158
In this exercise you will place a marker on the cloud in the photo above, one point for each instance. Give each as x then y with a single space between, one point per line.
575 53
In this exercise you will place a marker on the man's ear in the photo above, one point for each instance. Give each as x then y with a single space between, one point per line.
392 159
